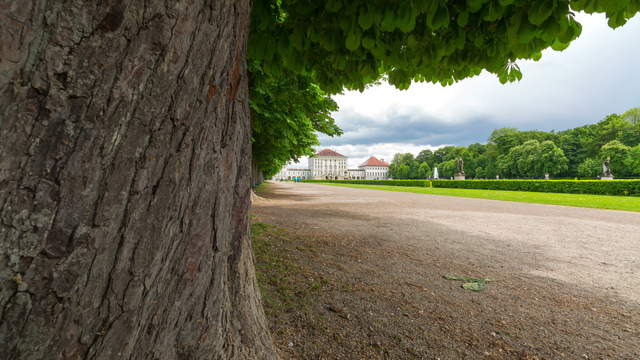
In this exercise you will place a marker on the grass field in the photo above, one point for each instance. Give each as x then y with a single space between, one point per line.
262 188
579 200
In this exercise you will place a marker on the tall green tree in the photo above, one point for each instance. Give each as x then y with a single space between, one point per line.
403 166
632 162
424 171
287 113
631 137
552 160
477 149
447 169
533 160
590 169
618 153
446 153
504 139
632 115
578 144
151 97
426 156
612 128
403 172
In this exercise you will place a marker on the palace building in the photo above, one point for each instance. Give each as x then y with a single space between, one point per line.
328 164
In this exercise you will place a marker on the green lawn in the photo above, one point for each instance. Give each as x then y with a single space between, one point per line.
627 203
262 189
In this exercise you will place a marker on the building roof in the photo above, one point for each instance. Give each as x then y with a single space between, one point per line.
329 152
373 161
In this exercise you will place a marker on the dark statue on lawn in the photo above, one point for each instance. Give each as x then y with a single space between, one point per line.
606 170
460 166
459 175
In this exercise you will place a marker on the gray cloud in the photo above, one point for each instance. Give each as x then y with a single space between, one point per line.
411 129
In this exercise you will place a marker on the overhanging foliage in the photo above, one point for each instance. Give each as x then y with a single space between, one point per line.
353 43
338 44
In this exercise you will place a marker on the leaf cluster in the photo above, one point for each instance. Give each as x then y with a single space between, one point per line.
353 43
287 112
533 159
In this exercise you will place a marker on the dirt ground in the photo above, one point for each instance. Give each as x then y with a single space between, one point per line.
567 279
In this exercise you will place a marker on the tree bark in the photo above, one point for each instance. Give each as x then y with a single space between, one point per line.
125 182
257 177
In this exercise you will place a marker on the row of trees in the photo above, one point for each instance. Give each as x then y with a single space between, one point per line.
278 136
577 152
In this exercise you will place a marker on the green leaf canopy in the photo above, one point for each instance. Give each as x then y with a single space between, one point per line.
353 43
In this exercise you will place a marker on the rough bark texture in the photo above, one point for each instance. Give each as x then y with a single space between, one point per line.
125 181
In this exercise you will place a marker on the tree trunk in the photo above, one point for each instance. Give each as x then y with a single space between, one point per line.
257 177
125 182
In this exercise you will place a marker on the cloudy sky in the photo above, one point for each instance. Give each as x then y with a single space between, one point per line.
597 75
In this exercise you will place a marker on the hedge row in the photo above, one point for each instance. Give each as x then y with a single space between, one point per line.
421 183
597 187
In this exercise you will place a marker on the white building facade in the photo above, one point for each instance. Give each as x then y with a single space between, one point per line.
330 165
356 174
291 174
375 169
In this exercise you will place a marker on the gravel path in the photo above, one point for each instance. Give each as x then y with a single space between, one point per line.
568 279
590 248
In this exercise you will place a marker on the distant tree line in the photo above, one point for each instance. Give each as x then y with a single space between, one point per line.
511 153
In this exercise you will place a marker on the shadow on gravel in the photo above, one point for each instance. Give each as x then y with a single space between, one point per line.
348 296
270 192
